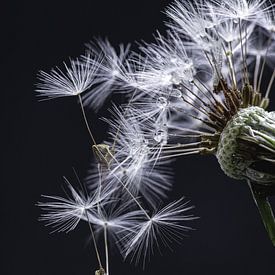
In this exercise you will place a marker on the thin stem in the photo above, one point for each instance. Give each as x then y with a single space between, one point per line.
184 136
270 85
233 80
267 159
177 146
86 121
256 71
197 96
133 197
191 130
242 53
198 108
192 152
209 60
106 250
99 189
233 64
93 237
263 65
232 73
245 48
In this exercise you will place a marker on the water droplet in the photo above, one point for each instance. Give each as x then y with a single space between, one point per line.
161 102
176 93
161 136
176 79
174 60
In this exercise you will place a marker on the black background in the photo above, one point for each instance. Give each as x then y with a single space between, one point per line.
43 140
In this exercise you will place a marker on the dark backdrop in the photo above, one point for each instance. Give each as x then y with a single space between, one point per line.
44 140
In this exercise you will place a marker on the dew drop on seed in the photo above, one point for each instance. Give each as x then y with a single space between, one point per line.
161 136
176 93
174 60
176 79
161 102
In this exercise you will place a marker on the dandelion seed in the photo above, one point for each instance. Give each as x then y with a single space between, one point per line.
166 63
64 214
164 227
111 70
191 19
77 78
241 9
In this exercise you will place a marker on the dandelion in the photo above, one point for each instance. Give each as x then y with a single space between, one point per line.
198 89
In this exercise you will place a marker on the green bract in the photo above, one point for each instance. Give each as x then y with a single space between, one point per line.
247 139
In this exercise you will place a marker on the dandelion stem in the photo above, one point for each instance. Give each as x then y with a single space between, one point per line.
199 108
106 249
243 54
197 96
86 121
99 189
179 145
93 237
232 64
263 64
256 71
228 57
191 130
191 152
207 90
133 197
265 210
245 48
231 69
270 85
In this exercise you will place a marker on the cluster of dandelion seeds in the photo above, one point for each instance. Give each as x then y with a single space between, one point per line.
200 88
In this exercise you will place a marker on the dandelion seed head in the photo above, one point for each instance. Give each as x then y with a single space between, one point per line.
185 91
